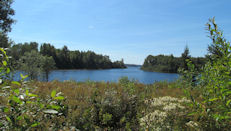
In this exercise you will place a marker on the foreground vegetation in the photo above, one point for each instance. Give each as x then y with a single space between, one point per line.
94 105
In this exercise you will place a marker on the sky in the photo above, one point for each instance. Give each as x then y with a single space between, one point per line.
128 29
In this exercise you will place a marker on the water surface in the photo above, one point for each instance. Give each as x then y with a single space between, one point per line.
112 75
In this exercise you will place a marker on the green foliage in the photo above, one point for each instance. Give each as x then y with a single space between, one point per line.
34 64
213 82
5 18
24 110
4 41
114 110
47 65
18 50
185 56
66 59
31 63
4 67
171 64
161 63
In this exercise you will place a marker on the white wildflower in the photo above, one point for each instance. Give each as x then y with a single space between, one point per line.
168 99
157 117
192 124
21 97
170 107
184 100
181 107
164 107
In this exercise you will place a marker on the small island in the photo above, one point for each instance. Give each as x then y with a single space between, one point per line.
171 64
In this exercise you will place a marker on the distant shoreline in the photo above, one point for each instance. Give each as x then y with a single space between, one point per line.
133 65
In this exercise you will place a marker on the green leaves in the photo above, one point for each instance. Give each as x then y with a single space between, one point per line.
53 93
54 107
4 63
213 82
7 70
16 83
16 99
30 94
23 77
228 102
35 124
6 110
59 98
19 118
214 99
8 119
22 109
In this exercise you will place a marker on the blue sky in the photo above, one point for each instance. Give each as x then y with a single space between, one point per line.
128 29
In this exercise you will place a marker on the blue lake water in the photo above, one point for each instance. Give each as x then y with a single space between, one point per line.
110 75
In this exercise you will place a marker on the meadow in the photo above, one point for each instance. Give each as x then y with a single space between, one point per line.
108 106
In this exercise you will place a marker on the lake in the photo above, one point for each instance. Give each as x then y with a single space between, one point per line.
112 75
109 75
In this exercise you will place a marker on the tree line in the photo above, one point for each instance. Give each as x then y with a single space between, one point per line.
171 64
66 59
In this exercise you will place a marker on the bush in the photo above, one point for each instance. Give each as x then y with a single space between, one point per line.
111 110
23 110
214 84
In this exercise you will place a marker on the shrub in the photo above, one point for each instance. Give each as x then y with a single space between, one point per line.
113 110
213 82
23 110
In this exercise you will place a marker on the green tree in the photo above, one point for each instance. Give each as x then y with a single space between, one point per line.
47 49
48 64
185 56
4 41
5 15
31 63
216 48
18 50
213 82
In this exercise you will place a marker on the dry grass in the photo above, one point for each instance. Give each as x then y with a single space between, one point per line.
80 91
80 97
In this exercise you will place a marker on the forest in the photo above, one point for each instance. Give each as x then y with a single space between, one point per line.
171 64
64 58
